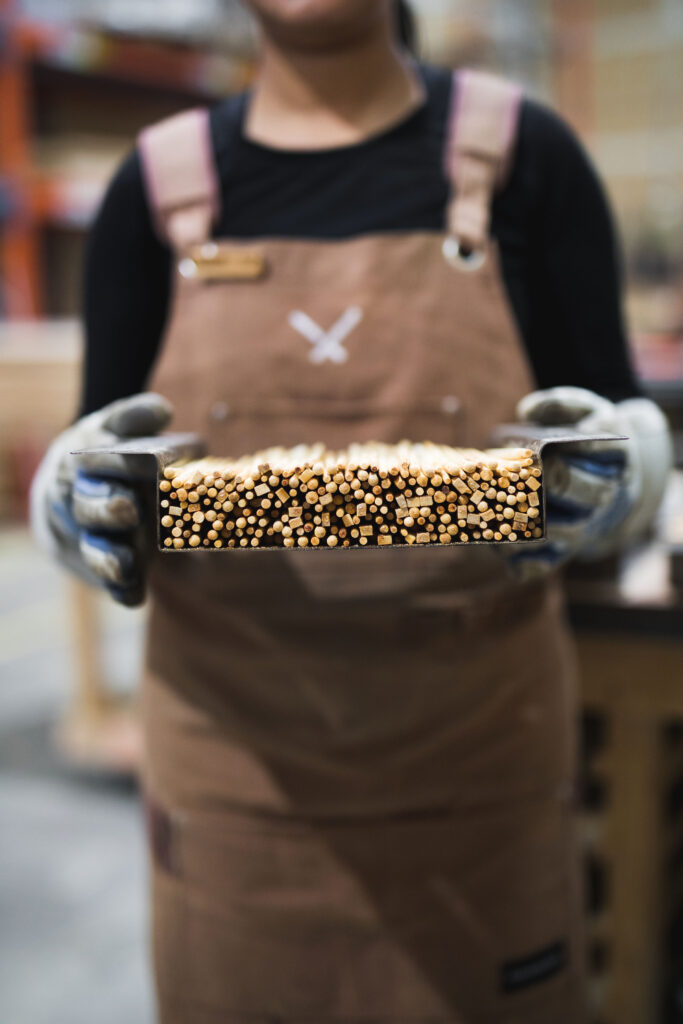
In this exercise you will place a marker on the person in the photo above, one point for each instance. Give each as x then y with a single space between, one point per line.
360 769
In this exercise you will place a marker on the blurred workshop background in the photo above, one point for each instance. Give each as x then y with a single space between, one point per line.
78 79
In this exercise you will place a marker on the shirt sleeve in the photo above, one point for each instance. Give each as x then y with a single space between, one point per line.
126 292
576 332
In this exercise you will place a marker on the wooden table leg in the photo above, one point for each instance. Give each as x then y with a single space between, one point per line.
90 693
99 731
633 845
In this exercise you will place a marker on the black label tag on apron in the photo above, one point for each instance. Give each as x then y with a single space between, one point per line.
530 970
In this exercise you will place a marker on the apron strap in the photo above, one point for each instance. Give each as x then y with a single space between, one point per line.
180 178
481 137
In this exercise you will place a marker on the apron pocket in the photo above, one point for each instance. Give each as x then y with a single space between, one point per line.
406 918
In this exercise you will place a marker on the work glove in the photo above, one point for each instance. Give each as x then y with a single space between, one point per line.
600 495
87 511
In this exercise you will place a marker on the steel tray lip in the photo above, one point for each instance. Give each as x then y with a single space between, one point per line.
537 437
165 448
168 448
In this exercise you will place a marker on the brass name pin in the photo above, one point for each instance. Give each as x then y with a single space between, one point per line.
215 262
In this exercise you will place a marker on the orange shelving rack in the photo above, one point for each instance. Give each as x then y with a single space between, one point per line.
34 197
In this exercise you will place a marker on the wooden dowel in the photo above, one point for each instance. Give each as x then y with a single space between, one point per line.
367 495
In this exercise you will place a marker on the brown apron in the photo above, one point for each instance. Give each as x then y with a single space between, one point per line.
360 764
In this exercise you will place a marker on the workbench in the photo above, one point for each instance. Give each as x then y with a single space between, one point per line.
629 630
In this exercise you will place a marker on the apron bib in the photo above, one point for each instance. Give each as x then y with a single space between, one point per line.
360 766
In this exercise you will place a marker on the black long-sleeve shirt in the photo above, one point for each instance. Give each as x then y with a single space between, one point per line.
551 220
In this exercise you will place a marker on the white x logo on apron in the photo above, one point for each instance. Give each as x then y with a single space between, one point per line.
327 345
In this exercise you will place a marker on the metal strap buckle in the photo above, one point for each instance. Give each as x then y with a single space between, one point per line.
460 257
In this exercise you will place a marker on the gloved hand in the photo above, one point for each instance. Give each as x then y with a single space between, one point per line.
600 495
86 510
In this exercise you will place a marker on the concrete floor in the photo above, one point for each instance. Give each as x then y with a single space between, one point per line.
73 943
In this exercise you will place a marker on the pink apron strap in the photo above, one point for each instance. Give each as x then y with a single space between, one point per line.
481 138
180 178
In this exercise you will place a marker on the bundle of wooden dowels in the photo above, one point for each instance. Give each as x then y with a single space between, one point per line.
370 495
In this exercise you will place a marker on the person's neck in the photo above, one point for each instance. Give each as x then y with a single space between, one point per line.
304 100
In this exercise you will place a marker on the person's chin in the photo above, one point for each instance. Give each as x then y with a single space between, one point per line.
317 22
